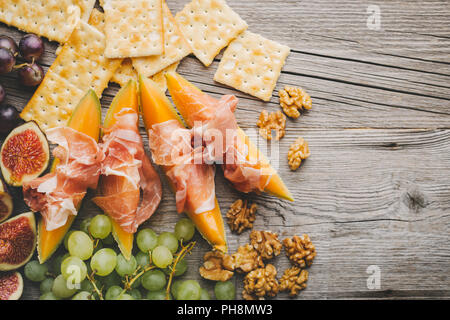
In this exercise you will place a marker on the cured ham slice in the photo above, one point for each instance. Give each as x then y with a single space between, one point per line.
57 195
126 170
193 181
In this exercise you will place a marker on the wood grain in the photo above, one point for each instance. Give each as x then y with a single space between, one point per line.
375 190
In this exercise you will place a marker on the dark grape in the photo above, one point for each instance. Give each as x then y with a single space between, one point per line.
2 94
9 43
7 61
9 117
31 75
31 47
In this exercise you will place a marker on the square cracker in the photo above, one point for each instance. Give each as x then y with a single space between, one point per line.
209 26
133 28
53 102
53 19
126 72
175 48
252 64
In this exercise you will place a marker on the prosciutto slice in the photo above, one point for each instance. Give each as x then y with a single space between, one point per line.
58 195
193 181
126 170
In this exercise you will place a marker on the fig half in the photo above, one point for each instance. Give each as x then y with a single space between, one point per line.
11 286
24 154
6 202
17 241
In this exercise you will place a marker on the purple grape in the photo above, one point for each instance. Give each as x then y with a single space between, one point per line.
2 94
9 117
31 47
31 75
7 61
9 43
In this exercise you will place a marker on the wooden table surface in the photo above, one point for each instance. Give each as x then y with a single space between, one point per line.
376 189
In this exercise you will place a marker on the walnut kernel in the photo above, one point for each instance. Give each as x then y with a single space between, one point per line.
266 243
240 216
293 99
294 280
300 250
247 259
272 121
261 282
298 151
217 266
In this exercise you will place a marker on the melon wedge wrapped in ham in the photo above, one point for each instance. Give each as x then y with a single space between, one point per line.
126 170
193 180
57 195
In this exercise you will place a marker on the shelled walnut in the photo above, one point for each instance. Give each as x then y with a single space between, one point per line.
294 280
266 243
300 250
261 282
298 151
247 259
293 99
217 266
272 121
241 216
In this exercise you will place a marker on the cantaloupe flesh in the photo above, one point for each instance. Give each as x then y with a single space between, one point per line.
127 97
85 118
189 100
156 108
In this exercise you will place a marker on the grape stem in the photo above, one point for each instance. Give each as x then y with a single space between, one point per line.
91 279
136 275
180 255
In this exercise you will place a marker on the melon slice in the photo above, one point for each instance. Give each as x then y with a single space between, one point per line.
85 118
156 108
190 100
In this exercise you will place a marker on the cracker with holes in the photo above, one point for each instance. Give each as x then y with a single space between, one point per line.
53 19
175 48
209 26
252 64
133 28
80 66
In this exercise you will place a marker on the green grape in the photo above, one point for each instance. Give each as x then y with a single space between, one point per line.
48 296
66 239
73 269
62 289
86 285
189 290
184 229
143 259
154 280
104 261
137 283
46 285
204 295
80 245
146 240
162 257
83 295
225 290
109 240
35 271
136 294
84 225
100 226
158 295
111 279
125 296
179 270
168 240
56 263
125 267
175 286
113 292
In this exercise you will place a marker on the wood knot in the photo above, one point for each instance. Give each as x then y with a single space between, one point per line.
415 199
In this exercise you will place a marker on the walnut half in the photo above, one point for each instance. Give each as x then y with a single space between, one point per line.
217 266
294 280
266 243
241 216
298 151
293 99
300 250
272 121
260 283
247 259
